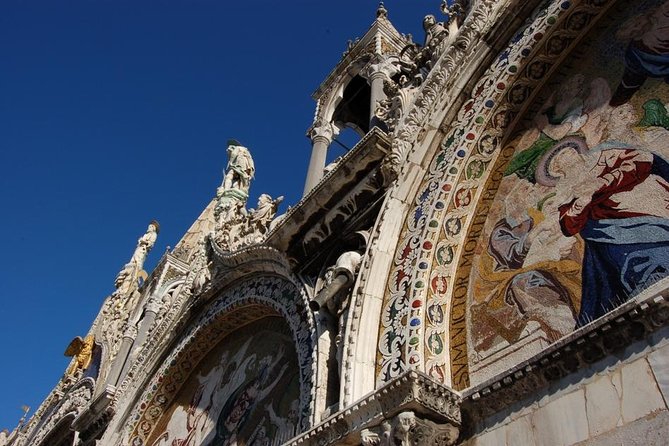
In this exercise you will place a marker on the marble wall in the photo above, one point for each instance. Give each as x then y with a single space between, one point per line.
619 400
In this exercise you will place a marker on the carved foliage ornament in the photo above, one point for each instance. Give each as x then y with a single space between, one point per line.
71 405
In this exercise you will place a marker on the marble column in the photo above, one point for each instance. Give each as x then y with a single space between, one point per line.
376 82
321 135
137 335
124 351
377 72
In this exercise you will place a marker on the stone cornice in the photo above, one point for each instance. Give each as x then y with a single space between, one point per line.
364 157
411 392
631 322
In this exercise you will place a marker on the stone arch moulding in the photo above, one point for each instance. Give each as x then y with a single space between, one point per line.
415 142
59 421
332 97
423 315
251 300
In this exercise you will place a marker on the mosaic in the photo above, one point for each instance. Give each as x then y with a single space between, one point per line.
465 261
240 394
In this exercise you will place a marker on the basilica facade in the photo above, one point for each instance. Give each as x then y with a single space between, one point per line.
488 265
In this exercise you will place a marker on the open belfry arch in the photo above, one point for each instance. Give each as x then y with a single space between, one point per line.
487 265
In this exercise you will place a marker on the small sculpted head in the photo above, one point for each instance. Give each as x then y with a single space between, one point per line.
429 21
154 227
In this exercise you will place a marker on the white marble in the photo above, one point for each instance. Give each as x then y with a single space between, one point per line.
602 406
640 394
519 432
659 364
561 422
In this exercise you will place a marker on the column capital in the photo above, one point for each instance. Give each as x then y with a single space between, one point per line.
321 130
153 305
380 67
130 332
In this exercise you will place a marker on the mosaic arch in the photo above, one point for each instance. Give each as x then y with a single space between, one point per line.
231 378
439 276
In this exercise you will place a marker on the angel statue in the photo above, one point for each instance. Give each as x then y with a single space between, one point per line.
264 213
82 351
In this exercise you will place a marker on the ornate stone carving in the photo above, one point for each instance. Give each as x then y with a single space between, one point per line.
379 436
481 139
399 96
261 296
322 129
118 307
236 226
389 417
454 51
408 429
247 227
72 404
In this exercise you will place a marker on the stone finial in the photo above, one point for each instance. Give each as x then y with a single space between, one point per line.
381 11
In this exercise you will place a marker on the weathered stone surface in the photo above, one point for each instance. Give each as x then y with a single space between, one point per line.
659 363
520 432
649 431
602 406
495 437
561 422
640 394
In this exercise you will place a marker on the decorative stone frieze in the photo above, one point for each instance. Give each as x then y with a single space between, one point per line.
409 410
70 405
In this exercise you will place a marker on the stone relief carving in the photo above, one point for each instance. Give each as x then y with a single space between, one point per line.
322 129
72 403
398 97
407 429
265 295
461 35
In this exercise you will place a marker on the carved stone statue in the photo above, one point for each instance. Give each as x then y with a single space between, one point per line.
4 437
435 35
264 213
127 278
434 31
82 351
234 191
236 226
240 170
407 429
201 269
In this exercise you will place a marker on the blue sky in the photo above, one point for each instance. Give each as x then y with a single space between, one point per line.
117 112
